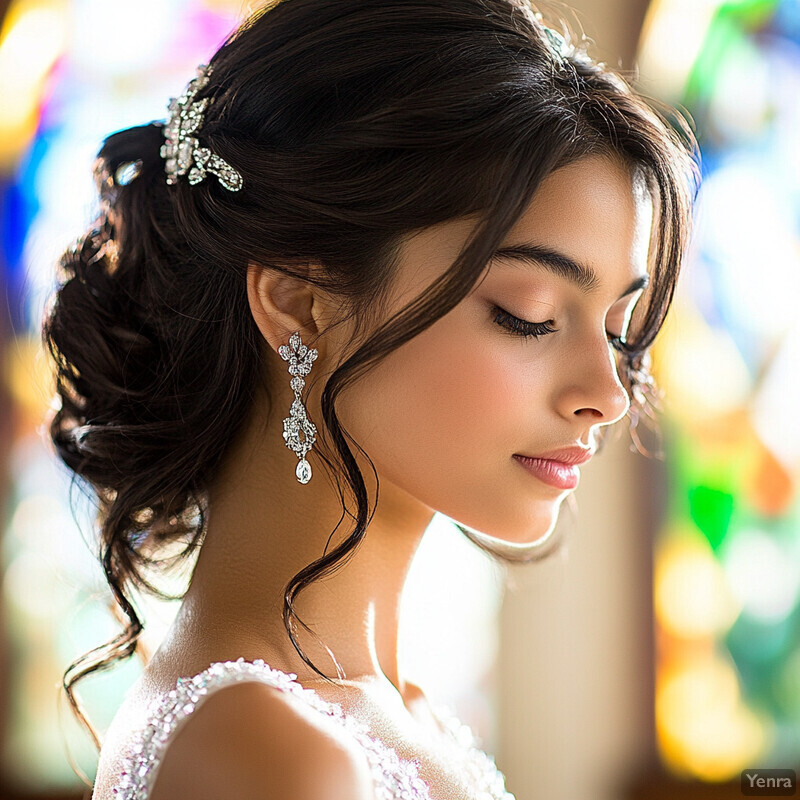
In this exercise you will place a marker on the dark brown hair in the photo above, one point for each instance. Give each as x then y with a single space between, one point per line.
353 122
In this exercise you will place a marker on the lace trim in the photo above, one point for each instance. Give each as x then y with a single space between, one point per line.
480 767
393 777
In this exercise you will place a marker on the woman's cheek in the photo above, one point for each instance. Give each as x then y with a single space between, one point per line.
459 390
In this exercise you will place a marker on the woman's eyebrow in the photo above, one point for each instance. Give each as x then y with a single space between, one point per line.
583 276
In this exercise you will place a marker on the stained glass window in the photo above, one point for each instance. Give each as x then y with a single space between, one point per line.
727 563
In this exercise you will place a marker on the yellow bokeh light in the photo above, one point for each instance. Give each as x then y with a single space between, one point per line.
671 38
32 38
241 8
704 729
691 594
30 378
699 367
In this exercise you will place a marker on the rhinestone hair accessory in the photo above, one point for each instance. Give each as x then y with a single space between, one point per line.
182 151
555 41
558 44
300 359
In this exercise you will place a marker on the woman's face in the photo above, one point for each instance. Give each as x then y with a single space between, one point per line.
446 416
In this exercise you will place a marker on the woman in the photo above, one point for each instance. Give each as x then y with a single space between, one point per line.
384 259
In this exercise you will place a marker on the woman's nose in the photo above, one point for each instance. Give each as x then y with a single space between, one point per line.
592 388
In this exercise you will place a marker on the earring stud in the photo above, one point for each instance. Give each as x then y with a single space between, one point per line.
300 358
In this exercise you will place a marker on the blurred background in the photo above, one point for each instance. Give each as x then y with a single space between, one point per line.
658 655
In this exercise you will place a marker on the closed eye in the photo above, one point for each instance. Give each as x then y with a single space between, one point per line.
525 328
521 327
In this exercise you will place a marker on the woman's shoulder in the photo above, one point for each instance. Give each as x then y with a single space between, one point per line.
236 729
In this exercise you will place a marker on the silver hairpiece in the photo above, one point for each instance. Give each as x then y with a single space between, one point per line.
558 45
182 150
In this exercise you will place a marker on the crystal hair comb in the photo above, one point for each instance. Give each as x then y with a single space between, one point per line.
182 151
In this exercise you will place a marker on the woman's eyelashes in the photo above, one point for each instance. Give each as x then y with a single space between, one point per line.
522 327
525 328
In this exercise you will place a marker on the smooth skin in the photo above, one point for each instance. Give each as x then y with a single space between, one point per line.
441 418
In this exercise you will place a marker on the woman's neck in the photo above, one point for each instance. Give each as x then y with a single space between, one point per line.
263 527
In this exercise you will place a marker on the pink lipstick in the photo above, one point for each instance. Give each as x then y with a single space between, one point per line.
558 468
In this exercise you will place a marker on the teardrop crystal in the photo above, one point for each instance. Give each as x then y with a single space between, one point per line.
303 471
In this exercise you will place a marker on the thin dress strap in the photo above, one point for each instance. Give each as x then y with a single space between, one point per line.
393 777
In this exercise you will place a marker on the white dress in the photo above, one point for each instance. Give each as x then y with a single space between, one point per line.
394 778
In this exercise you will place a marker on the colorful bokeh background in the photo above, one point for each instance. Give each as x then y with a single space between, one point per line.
727 565
726 587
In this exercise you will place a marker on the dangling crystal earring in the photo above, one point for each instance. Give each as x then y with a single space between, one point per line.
300 359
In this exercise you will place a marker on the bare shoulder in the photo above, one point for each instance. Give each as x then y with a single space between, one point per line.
250 741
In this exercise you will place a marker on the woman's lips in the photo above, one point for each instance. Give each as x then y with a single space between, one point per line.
566 455
560 474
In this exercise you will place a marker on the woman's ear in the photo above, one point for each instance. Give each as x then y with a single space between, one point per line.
282 304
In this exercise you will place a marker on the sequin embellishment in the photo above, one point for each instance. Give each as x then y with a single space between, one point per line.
393 778
479 766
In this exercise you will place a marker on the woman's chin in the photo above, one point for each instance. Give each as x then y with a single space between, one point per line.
526 533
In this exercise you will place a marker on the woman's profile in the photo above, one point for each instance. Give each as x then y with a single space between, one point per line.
382 260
